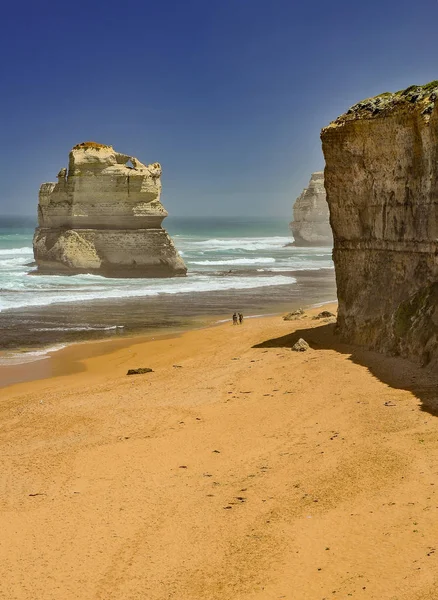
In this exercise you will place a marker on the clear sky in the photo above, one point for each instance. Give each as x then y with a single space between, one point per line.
228 95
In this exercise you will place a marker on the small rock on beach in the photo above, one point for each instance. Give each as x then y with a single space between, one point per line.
300 346
139 371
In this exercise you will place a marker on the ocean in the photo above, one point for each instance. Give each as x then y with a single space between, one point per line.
233 264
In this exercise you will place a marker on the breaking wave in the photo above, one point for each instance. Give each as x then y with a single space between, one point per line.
236 261
194 284
264 243
14 251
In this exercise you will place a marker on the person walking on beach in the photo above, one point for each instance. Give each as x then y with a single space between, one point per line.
235 319
240 318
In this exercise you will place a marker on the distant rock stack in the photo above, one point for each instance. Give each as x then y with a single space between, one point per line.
310 225
104 216
381 179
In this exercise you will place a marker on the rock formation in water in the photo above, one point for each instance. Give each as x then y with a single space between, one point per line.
310 225
104 216
381 179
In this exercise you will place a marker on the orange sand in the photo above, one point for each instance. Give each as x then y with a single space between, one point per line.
238 469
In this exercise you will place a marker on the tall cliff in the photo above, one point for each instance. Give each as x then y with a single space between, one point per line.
310 225
104 216
381 179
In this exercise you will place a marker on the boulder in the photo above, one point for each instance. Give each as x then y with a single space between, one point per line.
140 371
325 314
294 316
300 346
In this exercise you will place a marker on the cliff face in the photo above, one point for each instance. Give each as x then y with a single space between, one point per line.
381 179
310 225
104 216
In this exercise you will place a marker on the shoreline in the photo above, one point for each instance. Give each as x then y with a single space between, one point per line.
68 359
40 361
33 327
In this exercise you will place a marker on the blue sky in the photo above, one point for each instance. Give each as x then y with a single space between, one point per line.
229 95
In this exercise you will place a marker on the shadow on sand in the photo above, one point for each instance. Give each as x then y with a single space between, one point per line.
396 372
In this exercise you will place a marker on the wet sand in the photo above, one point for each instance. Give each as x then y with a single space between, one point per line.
237 469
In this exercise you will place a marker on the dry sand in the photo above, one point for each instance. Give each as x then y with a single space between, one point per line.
238 469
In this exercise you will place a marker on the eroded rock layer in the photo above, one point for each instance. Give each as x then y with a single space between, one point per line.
104 216
381 179
310 225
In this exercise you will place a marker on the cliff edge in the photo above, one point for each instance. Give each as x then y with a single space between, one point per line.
381 179
310 225
104 216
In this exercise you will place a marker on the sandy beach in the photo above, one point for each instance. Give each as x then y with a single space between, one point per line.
237 469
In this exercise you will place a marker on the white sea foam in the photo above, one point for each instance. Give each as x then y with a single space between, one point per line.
236 261
14 251
264 243
90 276
14 262
81 328
300 267
18 358
191 284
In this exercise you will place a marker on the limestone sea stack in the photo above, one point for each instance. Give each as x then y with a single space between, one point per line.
381 179
310 225
104 216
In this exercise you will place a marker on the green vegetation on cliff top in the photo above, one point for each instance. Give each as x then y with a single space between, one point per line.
423 90
424 95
